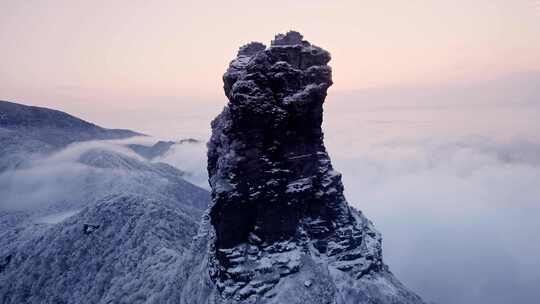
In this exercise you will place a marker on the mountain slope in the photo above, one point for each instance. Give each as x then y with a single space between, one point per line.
123 249
28 132
54 127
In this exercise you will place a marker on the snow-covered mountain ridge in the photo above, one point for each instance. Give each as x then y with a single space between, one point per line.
84 220
28 132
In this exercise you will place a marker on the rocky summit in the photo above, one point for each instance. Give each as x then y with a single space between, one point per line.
280 229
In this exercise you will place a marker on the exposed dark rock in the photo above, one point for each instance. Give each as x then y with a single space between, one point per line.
5 262
189 140
160 148
276 196
267 160
278 204
27 133
54 127
89 228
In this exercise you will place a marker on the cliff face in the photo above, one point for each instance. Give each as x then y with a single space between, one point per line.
281 228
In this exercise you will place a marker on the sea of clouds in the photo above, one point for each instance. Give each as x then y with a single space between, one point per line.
459 215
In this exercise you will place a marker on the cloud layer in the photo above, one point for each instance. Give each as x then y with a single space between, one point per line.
458 217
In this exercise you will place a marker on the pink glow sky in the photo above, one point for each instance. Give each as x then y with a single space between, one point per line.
128 55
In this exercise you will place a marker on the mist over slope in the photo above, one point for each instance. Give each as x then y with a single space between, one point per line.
28 132
54 127
90 221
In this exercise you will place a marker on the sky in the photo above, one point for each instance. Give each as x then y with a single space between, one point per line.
98 58
432 118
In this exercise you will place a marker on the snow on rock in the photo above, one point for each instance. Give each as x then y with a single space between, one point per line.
28 133
280 229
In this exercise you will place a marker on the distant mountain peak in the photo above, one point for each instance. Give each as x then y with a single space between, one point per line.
54 127
27 132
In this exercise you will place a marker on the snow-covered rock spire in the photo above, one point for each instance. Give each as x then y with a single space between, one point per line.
279 213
